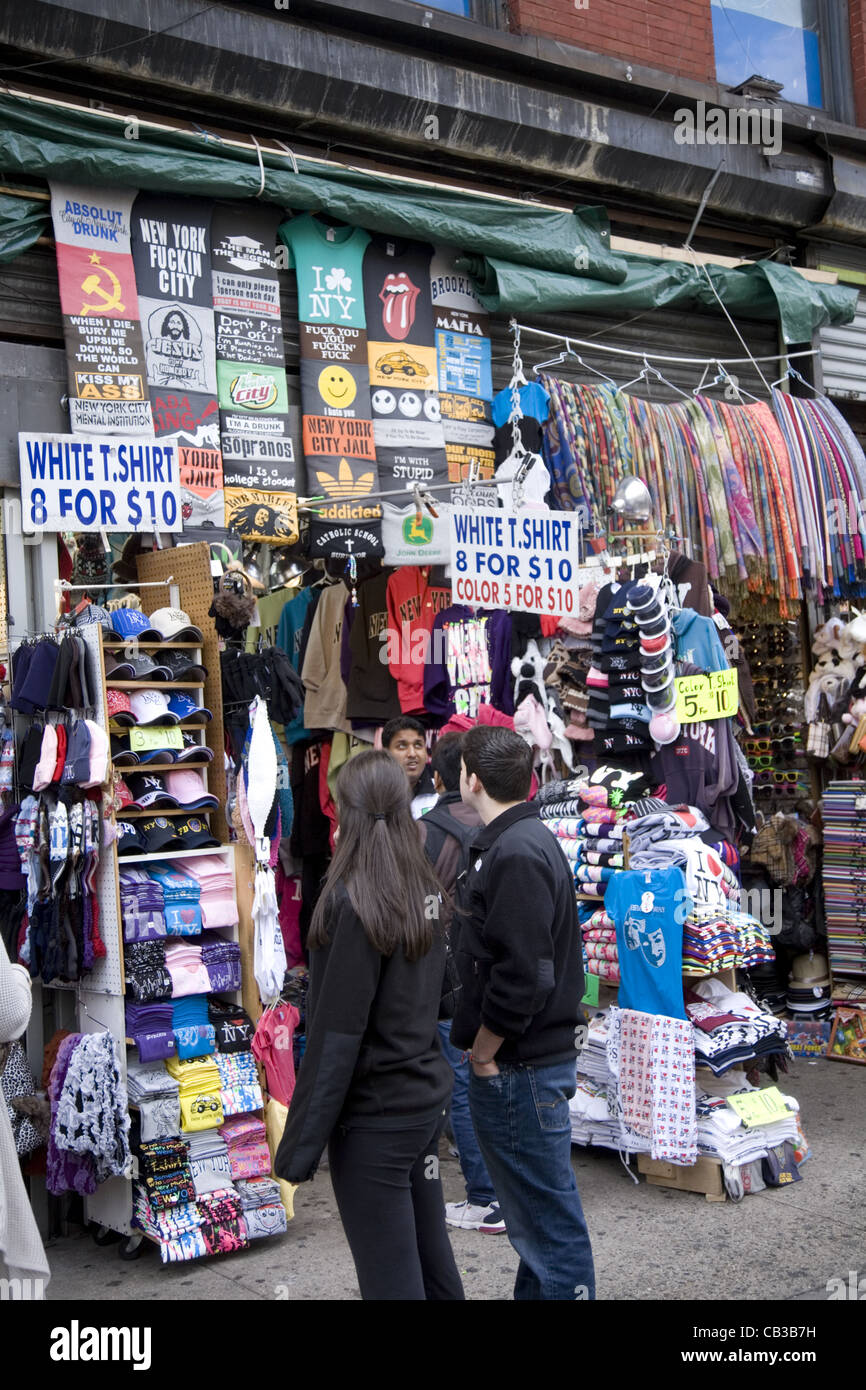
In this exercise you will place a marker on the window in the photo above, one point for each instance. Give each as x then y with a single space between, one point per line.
779 39
463 7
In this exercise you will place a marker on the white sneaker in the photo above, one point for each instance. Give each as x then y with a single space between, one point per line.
473 1218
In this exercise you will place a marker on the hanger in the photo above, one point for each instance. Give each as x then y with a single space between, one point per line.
646 372
92 1017
798 376
568 351
733 389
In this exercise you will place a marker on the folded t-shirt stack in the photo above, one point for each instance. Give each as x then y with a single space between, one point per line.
264 1214
241 1091
730 1029
193 1032
199 1083
175 1230
714 941
185 966
209 1162
155 1093
146 974
248 1147
232 1024
150 1027
217 887
167 1179
141 906
223 1228
181 897
222 961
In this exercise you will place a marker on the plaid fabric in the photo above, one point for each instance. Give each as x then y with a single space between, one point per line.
772 847
818 741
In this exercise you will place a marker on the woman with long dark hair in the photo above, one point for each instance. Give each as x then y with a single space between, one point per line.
373 1084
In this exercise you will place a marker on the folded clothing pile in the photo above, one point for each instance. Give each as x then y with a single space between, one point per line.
186 968
216 887
209 1162
239 1079
714 941
176 1230
264 1214
600 950
232 1025
248 1147
730 1029
156 1094
150 1027
181 897
223 1228
722 1133
141 906
193 1032
146 974
222 961
164 1164
199 1089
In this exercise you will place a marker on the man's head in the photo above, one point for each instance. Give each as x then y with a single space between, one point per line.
496 770
404 738
445 763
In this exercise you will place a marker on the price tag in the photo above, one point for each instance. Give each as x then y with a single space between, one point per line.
760 1107
157 736
715 696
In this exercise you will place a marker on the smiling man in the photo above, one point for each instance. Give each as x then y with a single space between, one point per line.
406 740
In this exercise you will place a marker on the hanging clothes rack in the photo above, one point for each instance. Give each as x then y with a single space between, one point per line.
655 356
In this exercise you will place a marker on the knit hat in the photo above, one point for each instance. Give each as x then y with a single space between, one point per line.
36 686
77 766
99 755
47 759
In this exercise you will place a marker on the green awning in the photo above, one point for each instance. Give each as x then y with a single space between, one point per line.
22 222
761 290
86 147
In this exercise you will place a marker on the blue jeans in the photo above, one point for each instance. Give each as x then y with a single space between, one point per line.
524 1130
479 1187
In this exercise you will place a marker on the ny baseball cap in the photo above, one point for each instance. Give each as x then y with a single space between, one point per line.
188 710
128 622
149 791
159 833
192 750
182 667
141 668
130 840
174 625
151 707
118 670
195 833
188 789
121 753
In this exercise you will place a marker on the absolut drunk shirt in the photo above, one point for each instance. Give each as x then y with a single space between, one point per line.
404 385
337 428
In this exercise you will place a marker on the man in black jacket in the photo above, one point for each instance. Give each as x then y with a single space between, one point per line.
519 1013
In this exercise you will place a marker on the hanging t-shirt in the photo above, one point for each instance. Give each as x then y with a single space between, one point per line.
404 386
325 702
463 359
372 689
338 441
290 633
413 538
649 908
171 249
469 663
413 603
258 421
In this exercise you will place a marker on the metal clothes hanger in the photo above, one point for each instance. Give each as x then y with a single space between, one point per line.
568 351
646 372
733 389
92 1017
798 376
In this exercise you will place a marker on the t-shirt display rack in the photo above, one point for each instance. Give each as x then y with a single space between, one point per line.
102 998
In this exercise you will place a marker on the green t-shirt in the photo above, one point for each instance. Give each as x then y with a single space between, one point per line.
327 261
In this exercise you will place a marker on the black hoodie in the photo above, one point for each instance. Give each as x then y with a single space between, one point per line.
519 950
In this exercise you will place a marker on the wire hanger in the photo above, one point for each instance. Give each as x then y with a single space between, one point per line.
798 376
92 1017
568 351
733 389
646 372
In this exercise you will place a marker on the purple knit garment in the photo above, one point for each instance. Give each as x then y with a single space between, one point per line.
66 1172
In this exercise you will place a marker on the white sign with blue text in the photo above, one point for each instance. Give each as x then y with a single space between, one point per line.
72 482
526 561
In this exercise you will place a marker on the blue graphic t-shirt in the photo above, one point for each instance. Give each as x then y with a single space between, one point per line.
649 908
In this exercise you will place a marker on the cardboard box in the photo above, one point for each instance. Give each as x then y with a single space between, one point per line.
809 1039
705 1176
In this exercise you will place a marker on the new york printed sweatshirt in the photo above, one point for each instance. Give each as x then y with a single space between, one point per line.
469 663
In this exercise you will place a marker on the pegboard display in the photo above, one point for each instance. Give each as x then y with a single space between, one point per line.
106 977
189 568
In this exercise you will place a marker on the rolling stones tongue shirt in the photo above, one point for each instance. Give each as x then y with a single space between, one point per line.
404 386
259 426
171 249
463 364
338 441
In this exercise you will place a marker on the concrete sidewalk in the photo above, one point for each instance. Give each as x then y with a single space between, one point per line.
649 1243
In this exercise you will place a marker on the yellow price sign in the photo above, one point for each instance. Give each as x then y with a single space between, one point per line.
760 1107
716 696
156 736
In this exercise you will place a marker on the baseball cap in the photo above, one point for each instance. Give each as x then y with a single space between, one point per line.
149 790
174 625
118 670
188 710
128 622
181 666
151 707
192 750
130 839
119 708
158 833
121 753
122 792
93 613
195 833
188 789
142 668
